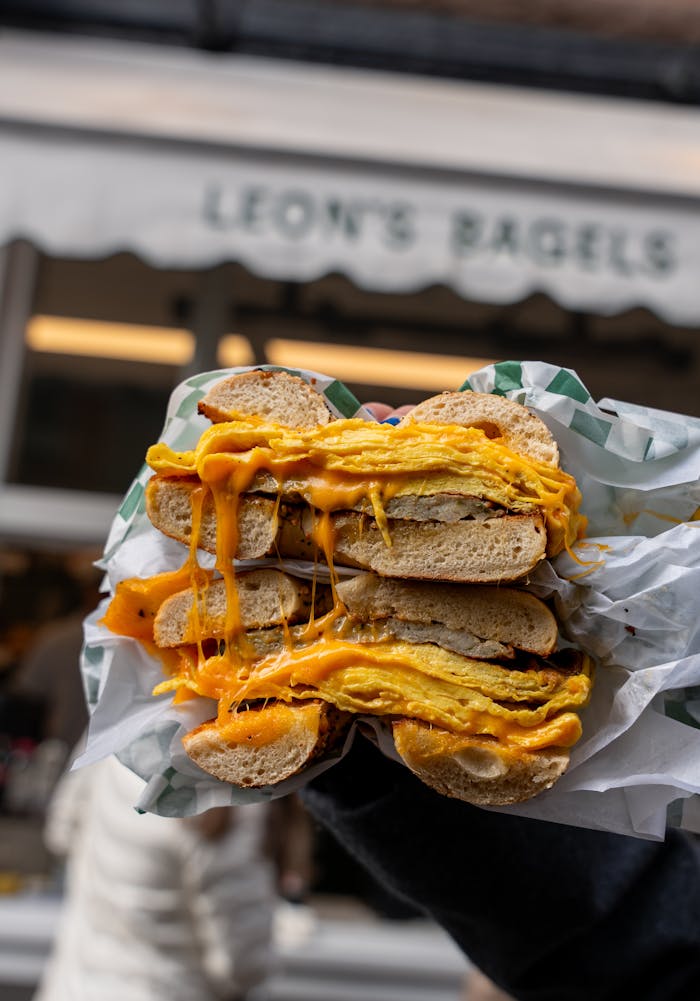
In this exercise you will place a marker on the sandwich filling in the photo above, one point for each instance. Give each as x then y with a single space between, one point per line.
342 464
360 668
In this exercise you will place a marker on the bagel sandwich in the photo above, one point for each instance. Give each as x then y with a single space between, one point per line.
466 677
467 488
438 514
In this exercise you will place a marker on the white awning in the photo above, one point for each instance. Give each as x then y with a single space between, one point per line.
189 159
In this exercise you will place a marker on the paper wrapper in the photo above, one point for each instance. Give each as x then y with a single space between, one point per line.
633 605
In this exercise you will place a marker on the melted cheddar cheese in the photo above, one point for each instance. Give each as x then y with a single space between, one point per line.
530 709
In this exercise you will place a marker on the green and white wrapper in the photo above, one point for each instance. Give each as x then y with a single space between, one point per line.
634 606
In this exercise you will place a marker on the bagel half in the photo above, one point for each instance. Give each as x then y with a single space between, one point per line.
467 488
470 668
245 755
478 771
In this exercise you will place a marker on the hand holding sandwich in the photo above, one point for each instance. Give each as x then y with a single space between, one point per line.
546 910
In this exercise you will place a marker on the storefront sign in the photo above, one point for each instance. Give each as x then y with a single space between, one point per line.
470 234
491 240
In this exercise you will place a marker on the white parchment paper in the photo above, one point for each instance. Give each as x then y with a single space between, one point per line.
632 602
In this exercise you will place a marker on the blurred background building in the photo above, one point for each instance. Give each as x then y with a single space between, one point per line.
394 192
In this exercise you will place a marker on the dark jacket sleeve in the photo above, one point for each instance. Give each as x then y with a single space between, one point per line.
549 912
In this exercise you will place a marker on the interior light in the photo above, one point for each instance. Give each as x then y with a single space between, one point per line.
99 339
175 346
234 349
375 366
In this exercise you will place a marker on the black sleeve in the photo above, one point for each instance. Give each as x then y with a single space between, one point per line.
549 912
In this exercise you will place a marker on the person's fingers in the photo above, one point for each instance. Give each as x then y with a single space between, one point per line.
378 410
382 410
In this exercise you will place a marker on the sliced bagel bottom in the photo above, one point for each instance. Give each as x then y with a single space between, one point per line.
264 745
477 770
490 550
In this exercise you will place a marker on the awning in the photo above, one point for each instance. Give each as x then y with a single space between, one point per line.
189 159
